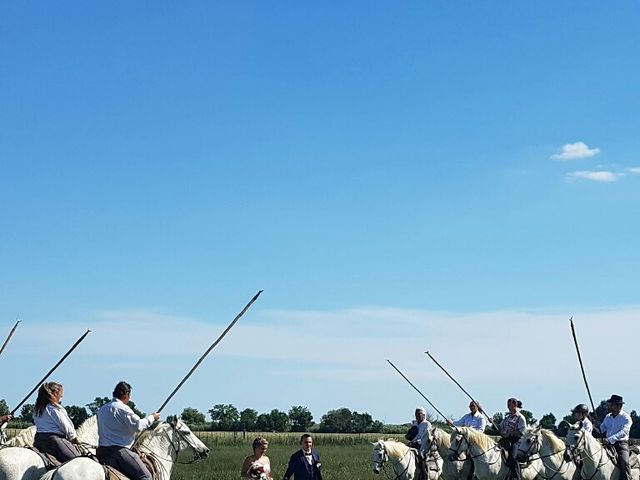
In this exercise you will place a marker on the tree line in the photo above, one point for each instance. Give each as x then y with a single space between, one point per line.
226 417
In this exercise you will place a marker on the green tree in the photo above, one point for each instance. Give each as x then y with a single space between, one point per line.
337 421
192 416
279 421
248 418
635 426
26 413
548 421
97 403
601 411
224 417
528 417
4 408
361 422
135 409
497 420
301 418
263 423
77 414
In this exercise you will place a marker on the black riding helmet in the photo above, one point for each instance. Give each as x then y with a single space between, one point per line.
580 408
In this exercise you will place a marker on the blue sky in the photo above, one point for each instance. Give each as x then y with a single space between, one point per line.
440 167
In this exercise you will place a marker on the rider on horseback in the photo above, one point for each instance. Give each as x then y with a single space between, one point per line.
418 429
117 428
614 430
581 412
512 428
474 419
55 433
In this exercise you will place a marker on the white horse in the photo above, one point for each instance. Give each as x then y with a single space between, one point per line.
404 460
487 456
457 469
542 443
19 463
162 445
596 463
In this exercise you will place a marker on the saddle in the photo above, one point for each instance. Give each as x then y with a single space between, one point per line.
111 473
425 464
50 462
634 454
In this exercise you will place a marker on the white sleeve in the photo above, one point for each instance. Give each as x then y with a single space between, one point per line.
483 423
622 433
133 422
64 422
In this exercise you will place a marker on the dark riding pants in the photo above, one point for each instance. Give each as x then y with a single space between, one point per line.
510 444
622 447
56 445
125 461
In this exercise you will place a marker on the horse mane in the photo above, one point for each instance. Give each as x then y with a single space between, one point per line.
395 449
146 433
24 438
87 432
554 441
441 437
478 438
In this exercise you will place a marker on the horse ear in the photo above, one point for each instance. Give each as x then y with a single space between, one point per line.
374 443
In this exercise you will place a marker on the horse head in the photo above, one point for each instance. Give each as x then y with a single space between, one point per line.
459 444
188 439
172 437
529 444
379 456
575 441
430 438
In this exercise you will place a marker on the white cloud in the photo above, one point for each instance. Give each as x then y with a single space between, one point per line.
330 359
635 170
573 151
595 176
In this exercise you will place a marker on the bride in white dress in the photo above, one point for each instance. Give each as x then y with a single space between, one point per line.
257 466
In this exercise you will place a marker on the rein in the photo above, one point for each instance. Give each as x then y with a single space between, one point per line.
528 454
583 454
471 457
385 458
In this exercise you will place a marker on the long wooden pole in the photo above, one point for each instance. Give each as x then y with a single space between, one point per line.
50 371
13 330
462 388
417 390
213 345
584 376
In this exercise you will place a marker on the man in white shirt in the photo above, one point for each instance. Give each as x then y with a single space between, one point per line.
418 430
117 429
614 430
474 419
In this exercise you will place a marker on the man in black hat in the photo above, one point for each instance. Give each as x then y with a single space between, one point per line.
615 431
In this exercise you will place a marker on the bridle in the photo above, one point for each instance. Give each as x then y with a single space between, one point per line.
535 440
175 442
385 458
579 450
455 453
468 450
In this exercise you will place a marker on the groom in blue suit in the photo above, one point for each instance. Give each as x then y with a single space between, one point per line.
305 463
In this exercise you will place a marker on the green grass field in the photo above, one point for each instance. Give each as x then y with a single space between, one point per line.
343 456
